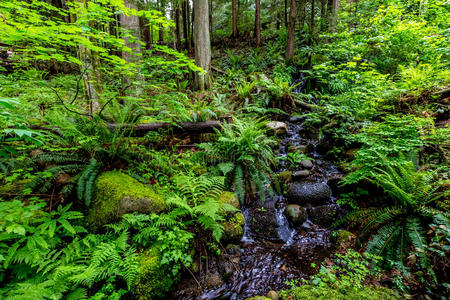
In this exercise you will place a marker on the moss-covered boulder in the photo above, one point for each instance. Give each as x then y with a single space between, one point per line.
258 298
284 177
231 201
343 238
233 228
118 194
10 190
153 281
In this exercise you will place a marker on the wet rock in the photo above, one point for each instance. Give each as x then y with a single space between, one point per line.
296 214
284 177
323 215
315 193
296 119
298 148
300 174
212 280
278 128
342 238
324 146
233 249
273 295
233 228
307 164
258 298
334 184
263 223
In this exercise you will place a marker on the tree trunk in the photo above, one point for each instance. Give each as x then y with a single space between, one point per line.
92 77
234 17
202 44
302 13
131 24
312 24
291 31
185 24
187 127
211 20
161 29
286 13
258 22
333 8
323 15
177 24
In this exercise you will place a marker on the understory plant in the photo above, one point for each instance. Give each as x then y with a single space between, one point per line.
398 229
243 153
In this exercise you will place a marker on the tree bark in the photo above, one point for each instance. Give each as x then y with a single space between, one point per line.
131 24
177 23
333 8
234 18
323 15
286 13
185 23
202 44
291 31
258 22
161 29
302 13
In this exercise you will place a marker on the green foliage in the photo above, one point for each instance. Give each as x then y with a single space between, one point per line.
344 279
245 156
402 222
294 158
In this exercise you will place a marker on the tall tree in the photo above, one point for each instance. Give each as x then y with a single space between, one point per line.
323 14
176 5
333 8
291 31
234 17
202 44
258 22
162 7
185 14
130 23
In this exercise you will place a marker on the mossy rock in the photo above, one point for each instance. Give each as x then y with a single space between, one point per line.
259 298
119 194
231 200
342 238
284 177
234 228
311 292
153 281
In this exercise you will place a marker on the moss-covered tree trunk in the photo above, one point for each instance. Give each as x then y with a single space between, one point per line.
258 22
235 32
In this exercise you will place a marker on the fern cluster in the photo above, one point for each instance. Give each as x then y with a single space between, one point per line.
401 225
244 155
47 255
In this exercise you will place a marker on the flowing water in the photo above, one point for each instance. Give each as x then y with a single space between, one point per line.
273 251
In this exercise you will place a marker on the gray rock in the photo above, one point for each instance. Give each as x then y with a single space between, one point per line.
323 215
278 128
302 193
296 119
300 174
306 163
296 214
273 295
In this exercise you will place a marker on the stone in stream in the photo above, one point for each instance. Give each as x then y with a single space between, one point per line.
322 215
307 164
296 213
314 193
298 148
284 177
277 128
273 295
300 174
296 119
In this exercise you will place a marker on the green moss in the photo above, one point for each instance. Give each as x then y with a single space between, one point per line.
230 199
119 194
342 237
153 281
311 292
14 187
234 228
284 177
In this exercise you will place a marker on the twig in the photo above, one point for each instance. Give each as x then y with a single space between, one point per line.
65 106
112 98
78 86
192 274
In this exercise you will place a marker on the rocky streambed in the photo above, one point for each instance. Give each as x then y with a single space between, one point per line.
283 235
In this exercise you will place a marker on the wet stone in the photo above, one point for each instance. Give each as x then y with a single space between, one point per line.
314 193
307 164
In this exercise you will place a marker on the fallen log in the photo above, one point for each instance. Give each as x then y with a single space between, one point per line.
304 105
139 130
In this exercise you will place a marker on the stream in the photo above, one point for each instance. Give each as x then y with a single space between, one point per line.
274 251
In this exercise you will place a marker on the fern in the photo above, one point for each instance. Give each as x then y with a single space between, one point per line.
85 183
